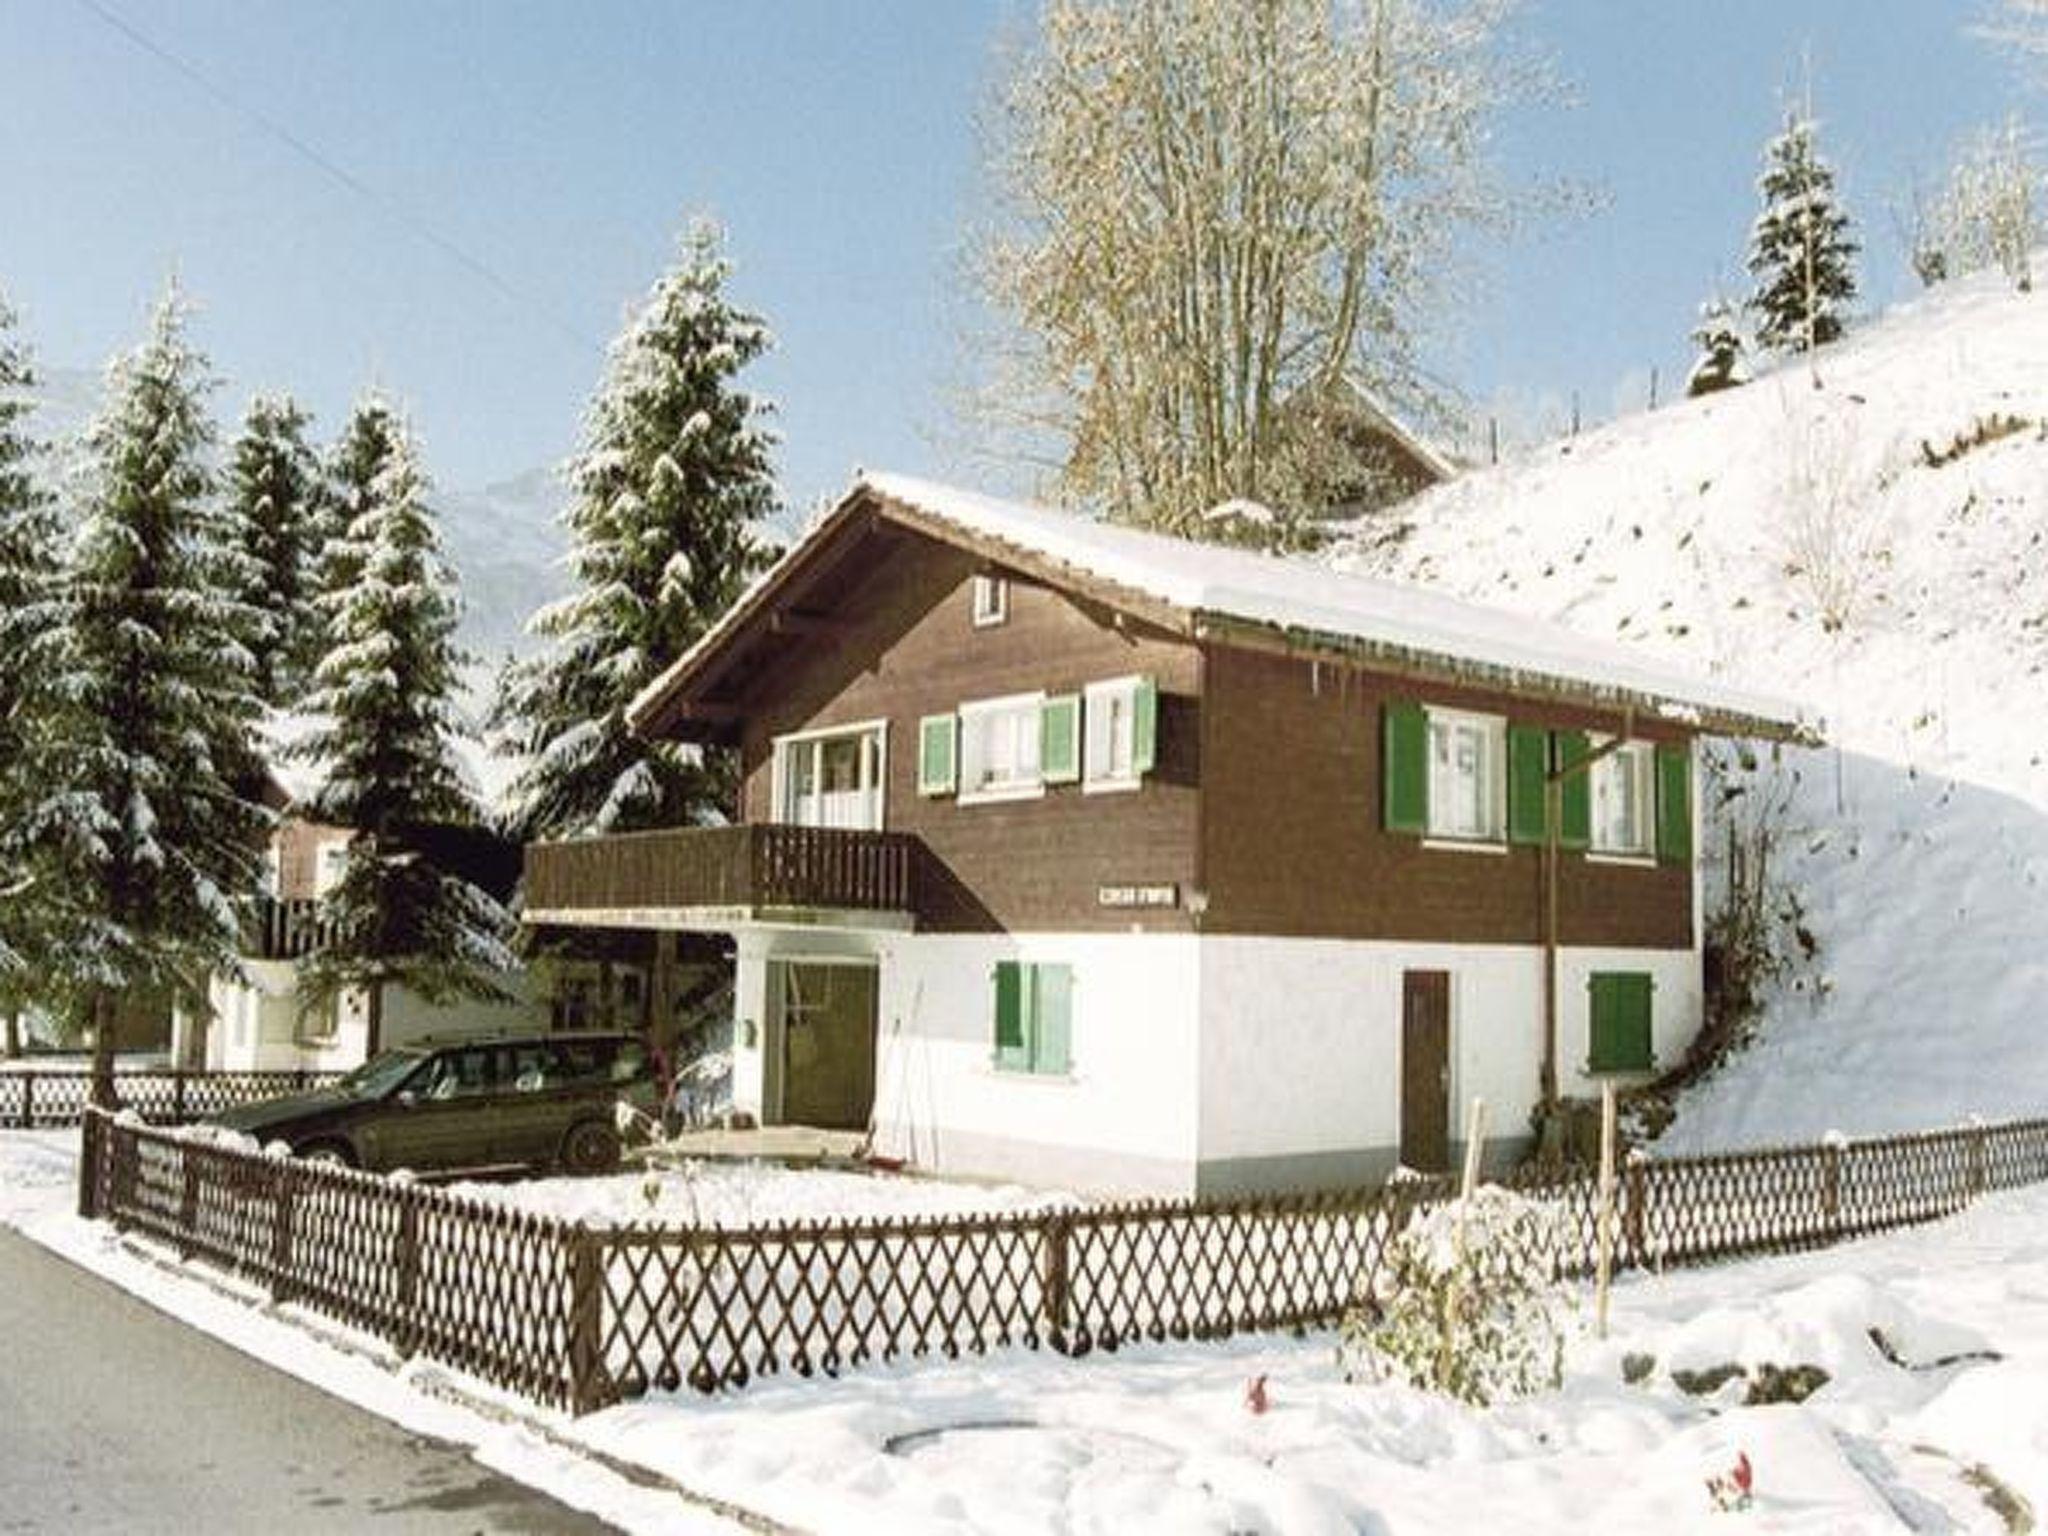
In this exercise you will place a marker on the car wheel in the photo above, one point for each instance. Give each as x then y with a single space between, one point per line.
328 1154
591 1146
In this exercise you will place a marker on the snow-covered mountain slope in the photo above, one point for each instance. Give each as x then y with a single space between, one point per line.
1875 544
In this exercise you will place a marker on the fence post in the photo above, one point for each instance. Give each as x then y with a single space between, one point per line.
177 1095
188 1199
1978 1161
1056 1232
408 1339
28 1101
1635 1220
286 1173
89 1146
1831 1187
588 1388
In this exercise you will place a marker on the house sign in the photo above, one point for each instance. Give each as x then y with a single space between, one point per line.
1137 895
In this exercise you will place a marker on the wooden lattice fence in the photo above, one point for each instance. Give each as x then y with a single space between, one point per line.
37 1098
580 1317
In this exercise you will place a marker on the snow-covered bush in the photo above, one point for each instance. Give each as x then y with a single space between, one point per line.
1464 1302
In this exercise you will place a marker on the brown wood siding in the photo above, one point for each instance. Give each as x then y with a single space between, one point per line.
911 651
1294 843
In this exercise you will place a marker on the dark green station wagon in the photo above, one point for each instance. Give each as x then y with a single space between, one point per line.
524 1100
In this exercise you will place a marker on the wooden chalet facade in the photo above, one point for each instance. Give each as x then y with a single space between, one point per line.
1084 856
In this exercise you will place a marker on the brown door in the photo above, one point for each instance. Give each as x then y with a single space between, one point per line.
1426 1070
828 1046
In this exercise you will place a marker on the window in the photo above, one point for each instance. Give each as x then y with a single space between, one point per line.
999 749
1467 784
1622 793
1034 1017
1618 1035
831 778
991 601
328 867
1120 730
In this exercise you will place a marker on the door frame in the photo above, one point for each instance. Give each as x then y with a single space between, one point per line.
1409 975
775 1037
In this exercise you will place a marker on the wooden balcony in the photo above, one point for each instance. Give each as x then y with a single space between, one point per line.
715 877
283 930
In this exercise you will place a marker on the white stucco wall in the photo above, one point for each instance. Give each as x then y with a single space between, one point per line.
255 1024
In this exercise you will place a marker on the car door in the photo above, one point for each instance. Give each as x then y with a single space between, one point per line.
533 1107
445 1117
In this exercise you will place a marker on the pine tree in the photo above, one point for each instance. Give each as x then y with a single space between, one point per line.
1801 252
384 748
672 478
29 535
151 797
275 489
1721 364
354 463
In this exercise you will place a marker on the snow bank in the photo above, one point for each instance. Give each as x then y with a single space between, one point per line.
1871 546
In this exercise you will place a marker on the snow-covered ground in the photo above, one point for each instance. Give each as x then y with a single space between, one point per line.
1160 1438
1871 546
738 1194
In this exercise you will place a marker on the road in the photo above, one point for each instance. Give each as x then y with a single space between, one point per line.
116 1418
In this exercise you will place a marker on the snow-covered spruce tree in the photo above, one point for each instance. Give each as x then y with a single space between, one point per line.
1800 250
150 796
29 547
275 488
383 746
670 484
353 464
1720 364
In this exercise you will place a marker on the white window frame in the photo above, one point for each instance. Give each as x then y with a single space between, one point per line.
813 741
1638 758
1493 767
971 716
330 859
1097 777
991 601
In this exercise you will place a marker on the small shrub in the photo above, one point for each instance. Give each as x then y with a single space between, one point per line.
1464 1303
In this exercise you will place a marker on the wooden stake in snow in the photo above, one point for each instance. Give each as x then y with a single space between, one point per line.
1475 1142
1605 1217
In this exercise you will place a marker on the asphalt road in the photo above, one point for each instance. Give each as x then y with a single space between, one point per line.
116 1418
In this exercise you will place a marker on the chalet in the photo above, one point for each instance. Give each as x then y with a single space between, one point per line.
1083 856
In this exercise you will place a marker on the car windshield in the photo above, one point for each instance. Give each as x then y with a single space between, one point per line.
377 1077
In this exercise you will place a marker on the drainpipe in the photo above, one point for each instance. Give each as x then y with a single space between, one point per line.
1553 829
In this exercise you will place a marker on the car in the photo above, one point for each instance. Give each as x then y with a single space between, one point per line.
531 1100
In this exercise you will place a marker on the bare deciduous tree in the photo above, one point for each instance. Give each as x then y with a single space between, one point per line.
1987 213
1214 217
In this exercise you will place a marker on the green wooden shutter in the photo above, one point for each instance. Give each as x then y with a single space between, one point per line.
1144 726
1012 1047
1528 766
1052 1018
1404 767
936 739
1059 739
1674 805
1619 1035
1575 791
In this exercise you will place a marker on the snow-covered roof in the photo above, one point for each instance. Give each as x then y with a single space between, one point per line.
1299 601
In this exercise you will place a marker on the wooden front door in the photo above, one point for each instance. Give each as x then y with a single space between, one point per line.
1426 1070
828 1045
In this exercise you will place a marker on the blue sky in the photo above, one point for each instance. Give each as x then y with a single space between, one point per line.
562 145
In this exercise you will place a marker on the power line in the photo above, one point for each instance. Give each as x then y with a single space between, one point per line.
339 174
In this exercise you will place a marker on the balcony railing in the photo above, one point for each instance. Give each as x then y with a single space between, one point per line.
745 868
284 930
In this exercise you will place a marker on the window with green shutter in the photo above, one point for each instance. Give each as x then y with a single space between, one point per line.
1144 726
1528 768
1619 1033
1059 739
1674 805
1034 1017
1575 791
937 737
1404 768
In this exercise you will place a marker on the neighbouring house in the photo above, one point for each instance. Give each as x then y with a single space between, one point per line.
1088 857
257 1022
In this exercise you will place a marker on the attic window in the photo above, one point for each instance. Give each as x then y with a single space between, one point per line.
991 601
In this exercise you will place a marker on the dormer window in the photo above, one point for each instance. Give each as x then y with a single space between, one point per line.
991 601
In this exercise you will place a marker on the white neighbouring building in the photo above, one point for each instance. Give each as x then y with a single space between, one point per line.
1090 857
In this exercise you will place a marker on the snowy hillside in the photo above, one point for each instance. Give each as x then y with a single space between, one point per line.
1875 546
